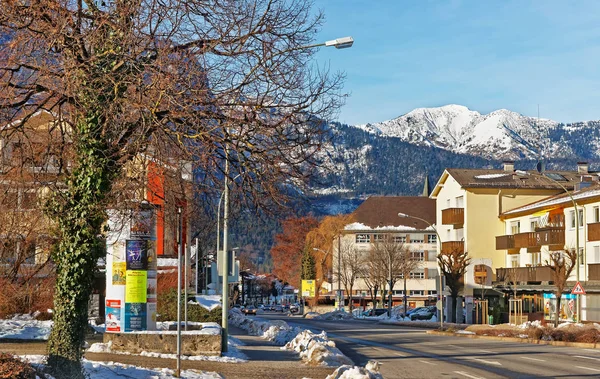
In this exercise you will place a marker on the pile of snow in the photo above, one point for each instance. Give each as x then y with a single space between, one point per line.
111 370
25 327
277 331
317 349
311 315
370 371
329 316
208 302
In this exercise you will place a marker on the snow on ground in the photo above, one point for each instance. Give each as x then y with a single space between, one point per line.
334 315
25 327
209 302
317 349
111 370
370 371
313 348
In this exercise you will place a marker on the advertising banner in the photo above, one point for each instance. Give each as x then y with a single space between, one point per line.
143 225
567 311
151 294
118 273
113 315
136 288
136 255
308 288
135 317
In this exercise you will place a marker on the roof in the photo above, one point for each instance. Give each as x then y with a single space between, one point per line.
582 196
382 211
517 179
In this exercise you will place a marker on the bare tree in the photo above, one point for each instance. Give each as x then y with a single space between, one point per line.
397 261
561 263
350 268
454 265
201 81
374 275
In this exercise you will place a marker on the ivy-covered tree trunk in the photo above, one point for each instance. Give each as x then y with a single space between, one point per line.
79 215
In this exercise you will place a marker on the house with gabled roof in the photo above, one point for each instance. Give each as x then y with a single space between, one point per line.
469 203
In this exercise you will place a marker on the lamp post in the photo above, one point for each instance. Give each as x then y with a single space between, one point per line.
577 260
404 215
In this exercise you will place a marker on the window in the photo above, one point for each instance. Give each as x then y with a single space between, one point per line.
432 293
536 259
417 238
596 214
398 292
514 261
363 238
417 275
399 239
417 293
572 216
596 254
581 257
447 203
515 227
432 238
534 223
417 255
460 202
378 237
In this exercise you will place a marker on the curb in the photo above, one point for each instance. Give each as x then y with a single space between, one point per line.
520 340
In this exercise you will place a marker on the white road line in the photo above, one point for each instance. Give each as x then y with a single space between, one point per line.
488 351
485 361
533 359
583 356
452 346
588 368
469 376
593 350
429 363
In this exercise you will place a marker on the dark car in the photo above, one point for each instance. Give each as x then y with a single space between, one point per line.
374 312
294 308
278 308
425 313
249 310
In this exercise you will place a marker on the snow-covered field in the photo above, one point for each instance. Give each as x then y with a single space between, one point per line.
25 327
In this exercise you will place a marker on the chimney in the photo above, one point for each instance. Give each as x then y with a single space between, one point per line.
509 166
582 167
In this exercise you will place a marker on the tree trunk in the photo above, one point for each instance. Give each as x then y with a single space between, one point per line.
374 298
350 300
556 317
390 299
79 215
453 312
404 298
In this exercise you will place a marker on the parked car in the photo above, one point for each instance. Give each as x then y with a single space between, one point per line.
425 313
278 308
374 312
294 308
286 307
249 310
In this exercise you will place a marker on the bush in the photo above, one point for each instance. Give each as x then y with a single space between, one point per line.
25 297
167 309
14 368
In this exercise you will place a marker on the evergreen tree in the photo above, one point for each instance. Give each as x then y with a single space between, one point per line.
308 265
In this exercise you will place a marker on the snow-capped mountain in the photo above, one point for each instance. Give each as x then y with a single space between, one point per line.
499 134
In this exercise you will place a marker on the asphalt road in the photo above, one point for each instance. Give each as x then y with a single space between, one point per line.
407 352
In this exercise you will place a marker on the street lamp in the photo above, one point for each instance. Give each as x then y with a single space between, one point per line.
404 215
339 43
577 260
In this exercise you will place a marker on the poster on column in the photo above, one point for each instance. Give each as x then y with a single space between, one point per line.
136 286
143 225
136 255
151 310
118 273
135 317
113 315
151 254
151 289
118 251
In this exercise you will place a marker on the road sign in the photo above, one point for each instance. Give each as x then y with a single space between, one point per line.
578 289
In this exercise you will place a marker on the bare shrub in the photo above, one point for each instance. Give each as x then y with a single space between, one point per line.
588 335
25 297
14 368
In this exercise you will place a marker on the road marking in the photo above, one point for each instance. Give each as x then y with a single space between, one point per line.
593 350
533 359
485 361
429 363
588 368
454 346
469 376
583 356
394 351
488 351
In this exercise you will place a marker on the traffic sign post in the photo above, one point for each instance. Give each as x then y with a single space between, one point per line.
578 289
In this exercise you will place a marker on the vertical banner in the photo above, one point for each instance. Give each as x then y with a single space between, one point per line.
135 317
113 316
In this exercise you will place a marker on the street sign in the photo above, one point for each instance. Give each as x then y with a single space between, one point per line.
578 289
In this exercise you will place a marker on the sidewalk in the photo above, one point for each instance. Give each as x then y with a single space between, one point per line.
265 360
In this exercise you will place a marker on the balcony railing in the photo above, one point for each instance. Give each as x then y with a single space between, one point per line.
594 271
453 216
524 274
453 246
505 242
550 236
594 231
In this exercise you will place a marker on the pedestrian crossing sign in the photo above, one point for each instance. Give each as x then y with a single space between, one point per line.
578 289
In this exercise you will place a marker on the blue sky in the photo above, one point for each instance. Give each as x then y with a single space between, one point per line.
484 54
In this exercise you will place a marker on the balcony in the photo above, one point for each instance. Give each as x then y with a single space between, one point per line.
550 236
525 240
524 274
593 231
453 216
453 246
594 271
505 242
